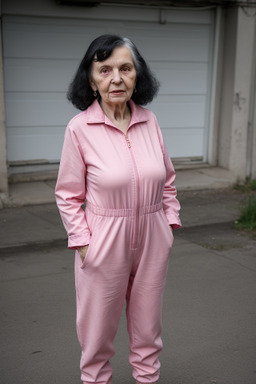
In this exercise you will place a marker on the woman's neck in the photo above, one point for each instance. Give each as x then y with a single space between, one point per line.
119 114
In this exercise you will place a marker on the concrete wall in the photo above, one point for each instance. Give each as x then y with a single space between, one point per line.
236 91
227 90
3 149
252 165
216 87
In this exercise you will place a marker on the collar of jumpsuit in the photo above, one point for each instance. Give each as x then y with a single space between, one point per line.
96 115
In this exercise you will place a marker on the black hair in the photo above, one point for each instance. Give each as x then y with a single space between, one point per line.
80 92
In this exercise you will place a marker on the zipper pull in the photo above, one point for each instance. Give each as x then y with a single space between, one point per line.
127 141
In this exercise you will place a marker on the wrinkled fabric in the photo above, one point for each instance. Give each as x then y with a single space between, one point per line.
127 183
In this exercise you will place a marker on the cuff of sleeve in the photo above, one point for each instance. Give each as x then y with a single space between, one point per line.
76 241
174 221
175 226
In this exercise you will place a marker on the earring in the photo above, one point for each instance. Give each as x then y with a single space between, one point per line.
95 93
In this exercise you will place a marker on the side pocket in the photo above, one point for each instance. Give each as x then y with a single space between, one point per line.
82 263
90 249
169 232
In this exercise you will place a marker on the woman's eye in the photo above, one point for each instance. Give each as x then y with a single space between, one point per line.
104 71
125 69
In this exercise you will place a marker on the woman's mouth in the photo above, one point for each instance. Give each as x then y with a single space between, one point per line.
117 92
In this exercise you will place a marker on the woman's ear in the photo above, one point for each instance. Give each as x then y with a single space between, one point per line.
94 88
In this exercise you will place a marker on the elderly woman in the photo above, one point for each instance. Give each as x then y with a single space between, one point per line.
114 160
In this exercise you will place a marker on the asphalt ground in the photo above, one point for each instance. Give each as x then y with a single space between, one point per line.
209 318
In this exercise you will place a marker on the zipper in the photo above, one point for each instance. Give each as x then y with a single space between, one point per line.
136 226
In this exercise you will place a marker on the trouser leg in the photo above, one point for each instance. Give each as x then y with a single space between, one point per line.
144 317
144 303
100 299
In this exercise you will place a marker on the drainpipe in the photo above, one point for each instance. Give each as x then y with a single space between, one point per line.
251 127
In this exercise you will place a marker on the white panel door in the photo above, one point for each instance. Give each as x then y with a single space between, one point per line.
41 56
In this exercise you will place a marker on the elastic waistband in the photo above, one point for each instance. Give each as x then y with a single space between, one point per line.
123 212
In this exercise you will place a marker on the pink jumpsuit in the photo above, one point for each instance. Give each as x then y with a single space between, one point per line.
127 181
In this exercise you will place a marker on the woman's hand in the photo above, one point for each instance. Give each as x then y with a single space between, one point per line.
82 252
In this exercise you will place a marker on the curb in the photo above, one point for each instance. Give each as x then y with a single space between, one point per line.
35 246
62 242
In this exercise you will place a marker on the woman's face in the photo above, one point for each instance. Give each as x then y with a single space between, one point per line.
115 77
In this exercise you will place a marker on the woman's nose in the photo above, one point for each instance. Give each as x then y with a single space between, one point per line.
116 77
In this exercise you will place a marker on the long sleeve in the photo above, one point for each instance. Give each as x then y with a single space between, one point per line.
70 191
171 205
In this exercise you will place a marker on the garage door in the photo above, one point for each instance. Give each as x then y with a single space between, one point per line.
40 58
